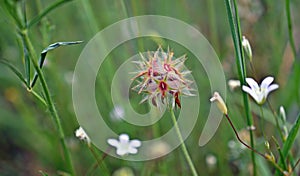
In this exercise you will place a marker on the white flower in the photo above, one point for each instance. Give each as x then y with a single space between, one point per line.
80 133
211 160
233 84
124 145
260 93
220 102
117 113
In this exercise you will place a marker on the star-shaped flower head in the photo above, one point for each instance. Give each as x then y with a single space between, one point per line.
163 78
260 93
125 146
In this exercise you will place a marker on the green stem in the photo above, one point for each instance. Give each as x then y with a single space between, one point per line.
49 100
240 140
262 123
183 147
99 161
236 36
290 27
276 121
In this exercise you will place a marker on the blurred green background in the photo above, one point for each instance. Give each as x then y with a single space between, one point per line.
28 137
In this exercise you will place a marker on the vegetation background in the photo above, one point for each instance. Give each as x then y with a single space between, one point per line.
28 139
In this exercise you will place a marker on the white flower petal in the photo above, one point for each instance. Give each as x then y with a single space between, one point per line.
132 150
252 83
251 92
266 82
124 138
121 151
113 142
272 87
135 143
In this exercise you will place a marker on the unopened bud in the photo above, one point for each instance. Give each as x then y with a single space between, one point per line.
282 113
220 102
233 84
267 145
247 48
270 157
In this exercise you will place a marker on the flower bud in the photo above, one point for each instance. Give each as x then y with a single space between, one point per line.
247 48
220 103
282 113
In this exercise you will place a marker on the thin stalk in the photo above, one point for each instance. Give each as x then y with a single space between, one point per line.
51 107
280 153
236 36
276 121
183 147
290 26
262 122
41 99
100 161
241 141
250 148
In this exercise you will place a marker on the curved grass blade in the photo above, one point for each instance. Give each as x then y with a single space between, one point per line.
15 70
46 11
291 138
44 53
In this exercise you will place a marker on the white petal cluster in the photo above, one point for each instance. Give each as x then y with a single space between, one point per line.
125 146
80 133
260 93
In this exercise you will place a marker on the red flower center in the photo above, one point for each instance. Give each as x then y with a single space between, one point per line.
167 67
163 87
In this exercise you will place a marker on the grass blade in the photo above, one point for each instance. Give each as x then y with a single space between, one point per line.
291 138
14 69
236 36
44 53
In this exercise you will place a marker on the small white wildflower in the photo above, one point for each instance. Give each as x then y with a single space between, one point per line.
211 160
117 113
251 128
80 133
233 84
282 113
123 171
247 47
260 93
158 149
124 145
231 144
220 103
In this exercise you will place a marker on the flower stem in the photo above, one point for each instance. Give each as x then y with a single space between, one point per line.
99 162
262 123
51 107
183 147
241 141
234 22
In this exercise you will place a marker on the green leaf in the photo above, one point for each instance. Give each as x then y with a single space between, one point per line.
291 138
44 53
14 69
